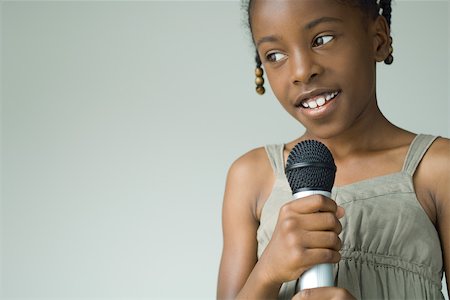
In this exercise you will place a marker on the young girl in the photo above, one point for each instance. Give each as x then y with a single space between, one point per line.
388 228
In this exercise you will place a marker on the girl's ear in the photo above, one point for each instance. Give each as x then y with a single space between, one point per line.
382 41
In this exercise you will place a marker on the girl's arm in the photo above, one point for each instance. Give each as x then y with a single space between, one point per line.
433 177
441 194
306 234
239 221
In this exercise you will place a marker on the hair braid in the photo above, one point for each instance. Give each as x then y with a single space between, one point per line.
258 60
386 9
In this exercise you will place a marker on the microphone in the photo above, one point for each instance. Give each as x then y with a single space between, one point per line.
310 170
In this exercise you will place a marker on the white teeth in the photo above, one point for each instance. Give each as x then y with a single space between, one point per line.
331 96
320 101
312 104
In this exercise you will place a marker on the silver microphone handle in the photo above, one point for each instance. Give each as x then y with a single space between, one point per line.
319 275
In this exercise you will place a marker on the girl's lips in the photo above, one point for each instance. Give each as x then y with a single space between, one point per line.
315 94
319 111
318 100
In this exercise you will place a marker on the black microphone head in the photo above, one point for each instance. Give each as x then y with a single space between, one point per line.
310 166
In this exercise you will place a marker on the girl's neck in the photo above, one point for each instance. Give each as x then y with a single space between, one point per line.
371 132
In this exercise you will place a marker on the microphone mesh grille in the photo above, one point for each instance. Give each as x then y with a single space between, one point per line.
311 177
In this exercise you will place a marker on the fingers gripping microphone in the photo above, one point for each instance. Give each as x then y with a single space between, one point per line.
310 170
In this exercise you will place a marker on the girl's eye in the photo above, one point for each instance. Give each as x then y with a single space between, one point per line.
275 56
322 40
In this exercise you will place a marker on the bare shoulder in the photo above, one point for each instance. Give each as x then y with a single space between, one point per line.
441 146
437 159
245 182
435 170
250 164
437 167
251 177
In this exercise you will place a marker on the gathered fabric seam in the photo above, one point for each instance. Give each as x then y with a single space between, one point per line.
345 257
376 196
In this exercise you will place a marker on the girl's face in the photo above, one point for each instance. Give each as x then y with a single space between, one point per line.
319 57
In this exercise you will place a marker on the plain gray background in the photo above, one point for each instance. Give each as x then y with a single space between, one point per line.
119 122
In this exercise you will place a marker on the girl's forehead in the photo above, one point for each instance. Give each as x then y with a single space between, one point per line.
271 13
273 9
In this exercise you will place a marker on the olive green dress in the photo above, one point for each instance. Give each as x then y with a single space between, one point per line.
391 250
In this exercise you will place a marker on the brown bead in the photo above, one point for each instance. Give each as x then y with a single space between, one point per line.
260 90
259 81
259 72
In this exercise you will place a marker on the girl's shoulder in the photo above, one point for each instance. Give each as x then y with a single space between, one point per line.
441 148
434 171
438 157
436 162
250 180
250 164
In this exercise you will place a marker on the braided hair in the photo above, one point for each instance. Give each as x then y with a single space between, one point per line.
386 10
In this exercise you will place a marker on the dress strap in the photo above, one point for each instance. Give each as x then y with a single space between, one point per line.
276 158
416 151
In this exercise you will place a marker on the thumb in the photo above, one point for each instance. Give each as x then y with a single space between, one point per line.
340 212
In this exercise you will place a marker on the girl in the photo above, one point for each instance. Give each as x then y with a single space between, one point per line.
388 228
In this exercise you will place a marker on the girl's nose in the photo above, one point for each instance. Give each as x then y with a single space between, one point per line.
304 68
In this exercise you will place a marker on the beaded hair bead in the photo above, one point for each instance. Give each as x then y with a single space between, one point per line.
259 80
390 59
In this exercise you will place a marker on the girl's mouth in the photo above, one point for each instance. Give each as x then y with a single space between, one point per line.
320 100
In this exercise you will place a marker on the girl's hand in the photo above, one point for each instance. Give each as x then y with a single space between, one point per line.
324 293
306 234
